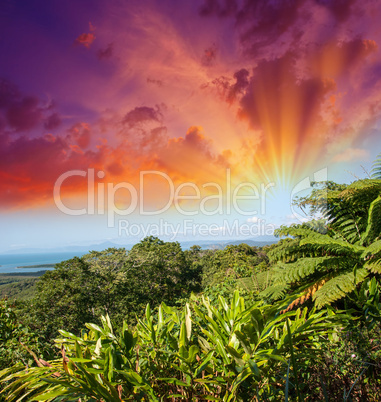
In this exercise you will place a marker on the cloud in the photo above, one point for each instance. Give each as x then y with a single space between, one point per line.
190 157
254 219
241 84
29 167
81 134
209 56
295 218
142 114
351 154
24 113
341 9
264 25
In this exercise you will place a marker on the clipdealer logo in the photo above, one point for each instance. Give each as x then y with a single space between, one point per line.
188 227
99 195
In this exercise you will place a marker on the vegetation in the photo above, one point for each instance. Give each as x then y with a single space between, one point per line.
20 286
298 320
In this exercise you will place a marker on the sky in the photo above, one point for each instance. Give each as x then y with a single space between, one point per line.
187 119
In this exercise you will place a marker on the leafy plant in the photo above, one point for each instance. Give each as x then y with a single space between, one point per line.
226 352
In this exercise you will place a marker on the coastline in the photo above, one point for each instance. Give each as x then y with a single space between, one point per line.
36 266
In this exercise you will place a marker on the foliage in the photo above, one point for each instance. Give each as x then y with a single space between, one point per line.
16 339
20 285
20 289
237 261
235 267
350 366
240 353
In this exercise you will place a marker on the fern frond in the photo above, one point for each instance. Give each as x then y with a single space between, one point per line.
376 168
329 245
349 223
285 250
374 265
374 222
373 249
372 256
305 267
257 282
263 279
296 230
276 291
339 286
307 294
361 189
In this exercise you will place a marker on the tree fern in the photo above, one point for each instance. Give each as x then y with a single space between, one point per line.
328 265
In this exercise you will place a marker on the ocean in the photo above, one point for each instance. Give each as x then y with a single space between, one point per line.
10 262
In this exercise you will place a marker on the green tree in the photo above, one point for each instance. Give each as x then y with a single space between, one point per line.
115 282
328 262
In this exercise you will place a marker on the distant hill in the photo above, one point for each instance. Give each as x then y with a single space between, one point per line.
205 244
223 243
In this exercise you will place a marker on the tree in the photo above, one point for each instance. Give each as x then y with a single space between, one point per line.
115 282
327 262
162 271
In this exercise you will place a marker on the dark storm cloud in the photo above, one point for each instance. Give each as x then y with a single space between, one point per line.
159 83
261 22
